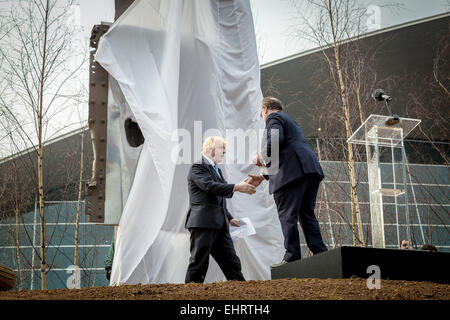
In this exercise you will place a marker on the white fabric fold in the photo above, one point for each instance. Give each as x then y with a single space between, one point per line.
178 62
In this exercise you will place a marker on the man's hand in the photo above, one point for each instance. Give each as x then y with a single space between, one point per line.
258 160
256 179
234 223
244 187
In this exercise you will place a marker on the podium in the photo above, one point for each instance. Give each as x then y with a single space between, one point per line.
346 262
384 137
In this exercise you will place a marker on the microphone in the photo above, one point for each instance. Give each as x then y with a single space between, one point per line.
379 95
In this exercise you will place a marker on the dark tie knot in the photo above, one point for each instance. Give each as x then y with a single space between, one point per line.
216 168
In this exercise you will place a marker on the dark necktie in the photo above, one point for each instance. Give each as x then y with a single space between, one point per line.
216 168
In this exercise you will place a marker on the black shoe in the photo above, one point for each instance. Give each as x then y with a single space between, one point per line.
283 262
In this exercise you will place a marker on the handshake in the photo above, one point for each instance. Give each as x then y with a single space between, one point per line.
249 185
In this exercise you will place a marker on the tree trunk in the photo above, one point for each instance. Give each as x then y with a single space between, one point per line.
356 214
77 222
19 267
40 153
358 97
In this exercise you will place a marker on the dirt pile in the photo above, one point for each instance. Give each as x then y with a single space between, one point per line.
282 289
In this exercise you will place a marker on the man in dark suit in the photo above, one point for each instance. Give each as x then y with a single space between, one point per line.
294 175
208 218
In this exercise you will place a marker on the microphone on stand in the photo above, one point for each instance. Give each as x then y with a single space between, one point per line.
379 95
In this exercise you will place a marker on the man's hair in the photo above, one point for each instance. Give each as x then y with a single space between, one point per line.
272 103
212 143
429 247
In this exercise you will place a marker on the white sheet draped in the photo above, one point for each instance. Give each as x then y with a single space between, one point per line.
176 62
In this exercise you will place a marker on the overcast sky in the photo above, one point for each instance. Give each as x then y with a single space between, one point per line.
274 20
273 24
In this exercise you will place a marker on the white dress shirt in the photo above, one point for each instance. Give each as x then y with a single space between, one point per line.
211 162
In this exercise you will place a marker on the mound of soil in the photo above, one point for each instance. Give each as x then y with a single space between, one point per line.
282 289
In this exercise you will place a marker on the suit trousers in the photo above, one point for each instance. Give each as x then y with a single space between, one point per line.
296 202
218 244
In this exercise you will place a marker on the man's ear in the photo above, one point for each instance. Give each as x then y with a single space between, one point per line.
213 153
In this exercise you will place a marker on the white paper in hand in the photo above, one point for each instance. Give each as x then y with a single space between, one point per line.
244 230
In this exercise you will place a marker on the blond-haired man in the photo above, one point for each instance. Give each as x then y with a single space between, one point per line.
208 219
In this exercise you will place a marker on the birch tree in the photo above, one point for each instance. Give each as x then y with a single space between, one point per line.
336 26
77 220
331 22
39 71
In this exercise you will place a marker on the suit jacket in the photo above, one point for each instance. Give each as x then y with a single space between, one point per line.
207 193
296 158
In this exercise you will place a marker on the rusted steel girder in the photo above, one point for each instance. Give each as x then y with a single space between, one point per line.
98 115
121 6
